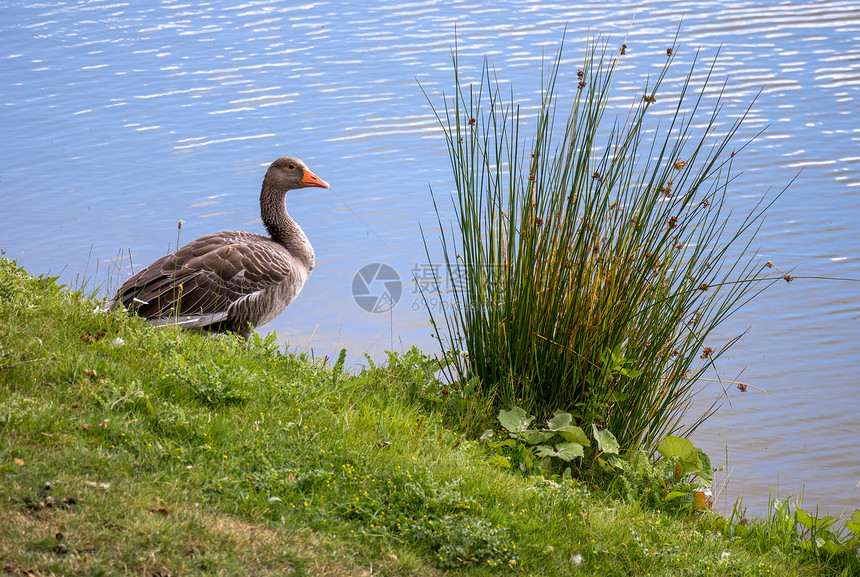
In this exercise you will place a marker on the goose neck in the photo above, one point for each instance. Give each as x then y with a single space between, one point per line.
283 229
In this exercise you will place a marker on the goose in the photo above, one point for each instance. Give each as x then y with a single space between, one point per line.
231 280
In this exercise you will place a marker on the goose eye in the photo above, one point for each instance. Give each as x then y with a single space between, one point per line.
291 166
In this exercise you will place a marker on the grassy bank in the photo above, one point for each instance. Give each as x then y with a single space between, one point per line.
129 450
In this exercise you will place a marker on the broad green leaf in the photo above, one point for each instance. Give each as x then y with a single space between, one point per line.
564 451
574 434
825 534
677 447
819 542
487 435
616 461
687 454
805 519
500 461
533 437
505 443
814 523
854 524
706 472
693 467
559 421
515 420
674 495
569 451
606 441
833 548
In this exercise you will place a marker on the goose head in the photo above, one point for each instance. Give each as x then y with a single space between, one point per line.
288 173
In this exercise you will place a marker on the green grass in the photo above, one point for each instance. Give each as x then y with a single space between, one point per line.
595 255
179 453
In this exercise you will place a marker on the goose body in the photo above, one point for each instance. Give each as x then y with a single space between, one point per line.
231 280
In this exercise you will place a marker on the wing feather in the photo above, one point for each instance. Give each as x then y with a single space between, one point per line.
206 277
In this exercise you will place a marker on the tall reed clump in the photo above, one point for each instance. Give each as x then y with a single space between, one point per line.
591 257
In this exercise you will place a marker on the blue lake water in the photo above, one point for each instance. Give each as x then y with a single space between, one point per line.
120 119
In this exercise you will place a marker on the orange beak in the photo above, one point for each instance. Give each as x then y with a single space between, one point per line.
311 179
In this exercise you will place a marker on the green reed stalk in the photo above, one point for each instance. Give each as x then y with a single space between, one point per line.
593 257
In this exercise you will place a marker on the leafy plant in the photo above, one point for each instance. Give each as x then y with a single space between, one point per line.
215 384
337 369
594 256
787 525
551 450
687 474
414 374
268 345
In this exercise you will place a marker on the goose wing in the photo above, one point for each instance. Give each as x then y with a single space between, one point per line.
204 278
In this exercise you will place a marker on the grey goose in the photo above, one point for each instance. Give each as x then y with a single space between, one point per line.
231 280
